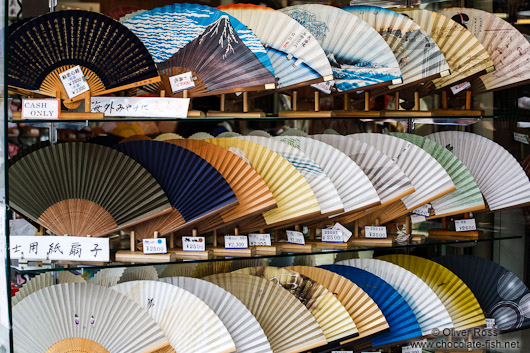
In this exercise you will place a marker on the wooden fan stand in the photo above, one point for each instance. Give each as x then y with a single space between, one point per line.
296 248
189 255
366 113
468 112
191 113
221 251
133 256
448 234
414 113
295 113
244 114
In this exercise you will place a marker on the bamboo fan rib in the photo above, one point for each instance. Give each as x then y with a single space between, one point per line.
358 54
363 310
428 308
111 56
499 176
289 326
501 294
189 323
508 48
83 315
245 330
107 277
43 280
142 273
330 314
462 50
401 319
467 196
459 301
84 189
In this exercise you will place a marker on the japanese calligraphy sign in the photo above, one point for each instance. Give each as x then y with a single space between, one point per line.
152 107
74 81
59 248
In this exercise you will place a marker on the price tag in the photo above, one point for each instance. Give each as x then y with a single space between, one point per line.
74 81
465 225
40 109
181 82
332 236
422 210
410 349
155 246
193 244
520 138
460 87
343 352
375 232
490 324
345 232
259 239
414 218
295 237
236 242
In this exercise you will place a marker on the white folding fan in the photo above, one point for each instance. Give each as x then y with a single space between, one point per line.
107 277
83 318
189 324
141 273
429 310
246 332
499 176
44 280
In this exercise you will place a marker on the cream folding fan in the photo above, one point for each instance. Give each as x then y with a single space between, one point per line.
508 48
259 133
467 196
281 34
462 50
245 330
84 318
168 136
455 295
44 280
363 310
289 326
188 322
327 196
331 315
200 136
359 56
139 273
428 308
107 277
499 176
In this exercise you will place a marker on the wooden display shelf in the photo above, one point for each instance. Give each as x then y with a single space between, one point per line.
268 250
357 114
323 245
137 256
192 255
68 116
220 114
296 248
218 251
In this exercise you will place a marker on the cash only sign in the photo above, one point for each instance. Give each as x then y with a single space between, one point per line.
40 108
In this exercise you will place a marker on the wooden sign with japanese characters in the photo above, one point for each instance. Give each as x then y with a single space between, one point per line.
59 248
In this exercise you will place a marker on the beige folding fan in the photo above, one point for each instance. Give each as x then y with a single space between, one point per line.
288 324
200 136
107 277
187 321
140 273
44 280
183 270
331 315
168 136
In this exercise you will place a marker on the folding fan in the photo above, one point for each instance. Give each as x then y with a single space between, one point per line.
331 315
327 196
467 196
501 294
459 301
293 195
27 150
44 280
499 176
84 189
245 330
293 132
107 277
417 54
242 263
508 48
200 136
289 326
229 134
465 55
363 310
181 270
204 269
295 54
220 51
259 133
187 321
141 273
168 136
429 310
359 56
111 56
86 317
401 319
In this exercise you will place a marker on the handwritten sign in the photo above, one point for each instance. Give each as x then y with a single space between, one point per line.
153 107
236 242
423 210
155 246
40 108
193 244
345 232
375 232
295 237
332 236
465 225
181 82
74 81
259 239
59 248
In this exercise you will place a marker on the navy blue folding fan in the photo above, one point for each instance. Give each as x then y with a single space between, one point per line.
399 315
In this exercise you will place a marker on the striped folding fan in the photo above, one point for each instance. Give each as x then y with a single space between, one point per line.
401 319
501 294
455 295
295 54
359 56
428 308
111 57
222 54
288 324
84 189
499 176
467 196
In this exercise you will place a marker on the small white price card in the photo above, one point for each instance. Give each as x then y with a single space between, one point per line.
193 244
74 81
332 236
422 210
236 242
410 349
259 239
460 87
414 218
520 138
155 246
345 232
181 82
40 109
375 232
490 324
343 352
465 225
295 237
